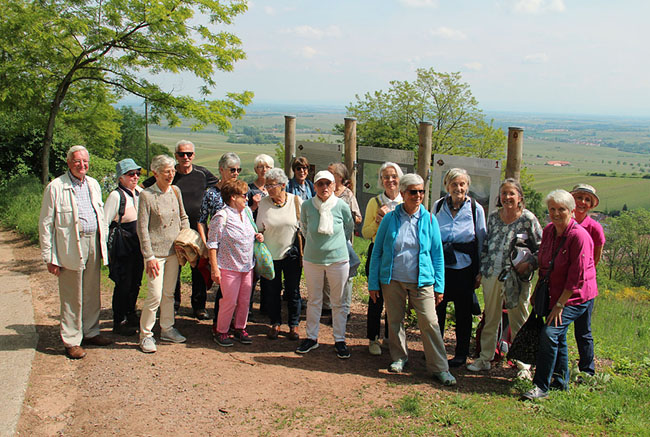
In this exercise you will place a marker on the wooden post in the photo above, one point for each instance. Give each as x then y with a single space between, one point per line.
515 152
350 141
289 143
425 133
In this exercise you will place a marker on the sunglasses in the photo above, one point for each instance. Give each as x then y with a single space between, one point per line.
415 192
186 154
235 170
132 173
302 168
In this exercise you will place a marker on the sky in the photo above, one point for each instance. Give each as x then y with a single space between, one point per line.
539 56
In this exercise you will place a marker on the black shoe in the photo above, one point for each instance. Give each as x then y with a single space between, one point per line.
342 350
133 319
201 314
457 361
307 345
124 329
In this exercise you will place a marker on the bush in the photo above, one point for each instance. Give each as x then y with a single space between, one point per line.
20 205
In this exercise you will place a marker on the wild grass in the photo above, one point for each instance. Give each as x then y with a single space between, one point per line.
20 205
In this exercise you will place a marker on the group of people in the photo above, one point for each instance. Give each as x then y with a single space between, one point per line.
427 259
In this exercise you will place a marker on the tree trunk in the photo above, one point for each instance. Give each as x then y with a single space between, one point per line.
49 130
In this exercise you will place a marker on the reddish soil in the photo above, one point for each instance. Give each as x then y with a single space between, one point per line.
199 388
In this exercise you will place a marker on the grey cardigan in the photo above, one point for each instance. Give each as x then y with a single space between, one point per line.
161 217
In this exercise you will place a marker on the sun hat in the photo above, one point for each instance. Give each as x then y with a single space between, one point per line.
324 174
584 188
125 166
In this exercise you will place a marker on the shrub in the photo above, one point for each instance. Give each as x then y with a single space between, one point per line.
20 205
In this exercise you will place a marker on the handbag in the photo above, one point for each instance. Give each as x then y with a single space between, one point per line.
298 241
526 343
542 297
263 258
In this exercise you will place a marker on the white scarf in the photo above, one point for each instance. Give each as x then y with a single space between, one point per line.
326 223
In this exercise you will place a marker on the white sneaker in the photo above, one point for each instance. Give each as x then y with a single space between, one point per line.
525 375
148 345
374 347
172 335
479 365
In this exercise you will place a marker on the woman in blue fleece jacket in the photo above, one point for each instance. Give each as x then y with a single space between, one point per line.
407 261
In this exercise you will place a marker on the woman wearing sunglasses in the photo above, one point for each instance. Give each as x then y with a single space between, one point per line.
126 262
299 184
407 261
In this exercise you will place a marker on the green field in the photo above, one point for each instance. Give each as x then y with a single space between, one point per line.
540 146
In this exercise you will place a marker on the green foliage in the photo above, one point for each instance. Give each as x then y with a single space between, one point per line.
20 205
627 257
63 50
251 135
391 118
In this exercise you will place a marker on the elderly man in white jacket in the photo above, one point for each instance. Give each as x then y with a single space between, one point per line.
72 234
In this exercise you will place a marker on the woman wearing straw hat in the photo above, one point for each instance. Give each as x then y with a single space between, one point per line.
586 200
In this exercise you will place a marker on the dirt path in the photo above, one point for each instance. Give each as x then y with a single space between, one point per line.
198 388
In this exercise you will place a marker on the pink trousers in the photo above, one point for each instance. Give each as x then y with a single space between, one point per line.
236 291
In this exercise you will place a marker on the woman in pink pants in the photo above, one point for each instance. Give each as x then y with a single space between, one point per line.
230 240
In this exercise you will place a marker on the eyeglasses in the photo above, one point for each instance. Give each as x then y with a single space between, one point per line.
415 192
324 183
235 170
269 186
186 154
132 173
302 168
389 177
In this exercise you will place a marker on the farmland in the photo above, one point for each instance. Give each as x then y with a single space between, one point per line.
580 141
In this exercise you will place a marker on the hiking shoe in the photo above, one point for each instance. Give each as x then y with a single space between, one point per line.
172 335
445 378
223 340
307 345
535 393
398 366
148 345
479 365
342 350
374 347
242 336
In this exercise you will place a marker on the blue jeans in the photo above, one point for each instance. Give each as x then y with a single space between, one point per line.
553 356
582 329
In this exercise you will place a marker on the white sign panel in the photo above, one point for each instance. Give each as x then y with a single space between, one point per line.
485 174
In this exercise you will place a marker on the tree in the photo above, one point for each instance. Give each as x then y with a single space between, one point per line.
627 250
391 118
50 50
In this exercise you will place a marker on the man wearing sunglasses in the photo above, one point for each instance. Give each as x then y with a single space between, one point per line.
192 180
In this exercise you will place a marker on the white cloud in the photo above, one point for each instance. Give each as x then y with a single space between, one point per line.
448 33
269 10
308 52
474 66
306 31
420 3
536 58
537 6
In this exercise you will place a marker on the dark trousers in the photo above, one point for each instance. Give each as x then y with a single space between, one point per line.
373 325
290 268
459 286
199 293
582 329
128 273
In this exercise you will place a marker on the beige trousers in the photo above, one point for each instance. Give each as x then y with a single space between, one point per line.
493 299
80 296
423 302
160 293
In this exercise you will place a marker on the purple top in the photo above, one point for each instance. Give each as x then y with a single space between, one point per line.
232 233
574 265
595 230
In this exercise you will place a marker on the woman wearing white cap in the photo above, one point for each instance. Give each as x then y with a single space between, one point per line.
327 223
586 199
125 259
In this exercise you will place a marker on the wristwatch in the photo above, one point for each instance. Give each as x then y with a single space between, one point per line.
559 305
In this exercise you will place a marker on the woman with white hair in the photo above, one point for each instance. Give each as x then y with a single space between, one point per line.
462 228
407 262
389 177
256 189
278 219
161 216
326 222
567 252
